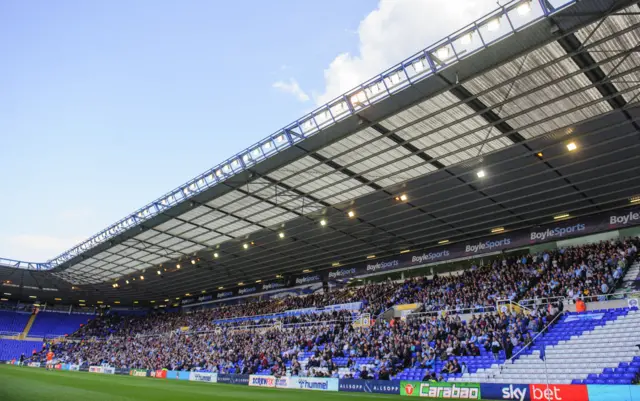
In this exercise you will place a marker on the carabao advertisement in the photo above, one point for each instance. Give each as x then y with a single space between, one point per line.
441 390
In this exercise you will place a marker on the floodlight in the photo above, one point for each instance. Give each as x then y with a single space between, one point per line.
493 25
571 146
524 8
480 174
443 53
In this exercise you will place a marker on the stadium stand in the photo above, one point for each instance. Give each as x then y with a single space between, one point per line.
436 343
12 322
12 349
54 324
596 348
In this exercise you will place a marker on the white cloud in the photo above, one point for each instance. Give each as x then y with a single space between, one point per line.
394 31
292 88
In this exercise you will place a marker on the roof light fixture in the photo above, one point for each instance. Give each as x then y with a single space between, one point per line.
405 251
216 255
371 256
245 245
481 174
159 272
307 271
178 266
351 214
32 296
126 281
193 261
524 8
258 281
494 24
241 283
323 222
443 53
561 216
497 230
466 39
335 264
141 277
571 146
444 241
281 235
635 199
221 288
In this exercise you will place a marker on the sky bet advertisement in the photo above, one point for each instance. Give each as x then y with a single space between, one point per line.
515 239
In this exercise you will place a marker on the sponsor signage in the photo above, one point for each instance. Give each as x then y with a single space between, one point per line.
139 373
95 369
584 316
516 392
314 383
203 377
618 392
370 386
441 390
34 364
159 374
547 233
558 392
107 370
74 368
233 379
262 381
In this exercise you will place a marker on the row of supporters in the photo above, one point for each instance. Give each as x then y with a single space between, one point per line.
432 390
515 239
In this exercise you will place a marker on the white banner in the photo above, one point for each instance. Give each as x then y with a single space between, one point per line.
314 383
203 377
283 382
74 368
34 364
95 369
262 381
584 316
109 370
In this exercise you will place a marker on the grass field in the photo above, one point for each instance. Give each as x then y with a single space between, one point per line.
30 384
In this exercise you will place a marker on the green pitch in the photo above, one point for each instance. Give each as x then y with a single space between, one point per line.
30 384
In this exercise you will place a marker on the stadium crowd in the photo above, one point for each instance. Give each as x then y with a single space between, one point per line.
311 344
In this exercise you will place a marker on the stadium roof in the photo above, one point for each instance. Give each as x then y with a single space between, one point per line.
523 115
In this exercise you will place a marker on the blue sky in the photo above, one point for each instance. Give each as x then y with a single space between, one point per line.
105 106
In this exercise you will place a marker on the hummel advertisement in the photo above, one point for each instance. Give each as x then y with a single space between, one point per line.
571 227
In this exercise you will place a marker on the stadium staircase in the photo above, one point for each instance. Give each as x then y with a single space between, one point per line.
598 347
27 327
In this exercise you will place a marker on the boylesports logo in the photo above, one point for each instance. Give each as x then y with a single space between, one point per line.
272 286
247 290
342 272
307 279
487 245
556 232
427 257
224 294
624 220
383 265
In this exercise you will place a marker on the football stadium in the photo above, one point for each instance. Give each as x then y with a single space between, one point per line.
464 225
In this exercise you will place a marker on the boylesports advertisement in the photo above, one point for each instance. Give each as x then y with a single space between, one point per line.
102 369
571 227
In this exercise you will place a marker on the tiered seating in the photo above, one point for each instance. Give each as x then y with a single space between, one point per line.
13 322
12 349
581 348
52 324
